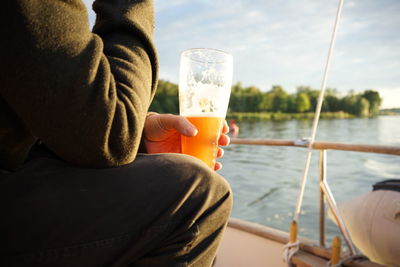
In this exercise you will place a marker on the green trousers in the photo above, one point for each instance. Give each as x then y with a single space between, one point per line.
160 210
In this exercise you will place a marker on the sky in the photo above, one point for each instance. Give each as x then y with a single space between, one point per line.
286 42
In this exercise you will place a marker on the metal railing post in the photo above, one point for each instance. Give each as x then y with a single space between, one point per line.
322 175
335 212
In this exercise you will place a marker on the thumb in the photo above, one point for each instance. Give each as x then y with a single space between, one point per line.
181 124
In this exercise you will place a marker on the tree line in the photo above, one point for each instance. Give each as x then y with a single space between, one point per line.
252 99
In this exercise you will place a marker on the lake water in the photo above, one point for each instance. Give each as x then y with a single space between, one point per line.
265 180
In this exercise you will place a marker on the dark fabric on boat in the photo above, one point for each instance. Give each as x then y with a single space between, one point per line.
4 171
391 184
160 210
41 150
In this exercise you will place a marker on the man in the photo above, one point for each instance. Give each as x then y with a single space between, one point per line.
75 189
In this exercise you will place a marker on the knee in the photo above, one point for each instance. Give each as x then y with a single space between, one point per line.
200 185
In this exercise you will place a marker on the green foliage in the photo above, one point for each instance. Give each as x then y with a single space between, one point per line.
348 103
266 102
166 99
374 100
260 116
279 99
302 102
245 99
312 95
332 103
362 107
277 103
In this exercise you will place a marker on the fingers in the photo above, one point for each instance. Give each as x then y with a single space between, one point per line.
225 128
217 166
178 123
223 140
220 153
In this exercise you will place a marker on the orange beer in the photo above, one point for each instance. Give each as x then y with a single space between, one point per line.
204 145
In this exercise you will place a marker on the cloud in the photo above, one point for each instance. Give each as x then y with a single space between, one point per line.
268 40
391 97
286 43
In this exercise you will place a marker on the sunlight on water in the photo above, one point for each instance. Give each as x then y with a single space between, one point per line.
389 130
265 180
385 169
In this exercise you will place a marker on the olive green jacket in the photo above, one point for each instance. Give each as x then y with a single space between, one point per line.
83 93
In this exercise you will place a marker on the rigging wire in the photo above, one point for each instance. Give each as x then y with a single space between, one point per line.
293 245
317 114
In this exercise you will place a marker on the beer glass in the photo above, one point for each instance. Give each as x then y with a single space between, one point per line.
205 81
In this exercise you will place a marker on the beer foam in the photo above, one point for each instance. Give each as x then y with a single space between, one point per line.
205 82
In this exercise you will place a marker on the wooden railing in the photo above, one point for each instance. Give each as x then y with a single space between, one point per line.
380 149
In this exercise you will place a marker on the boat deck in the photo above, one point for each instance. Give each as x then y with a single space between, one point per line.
248 244
243 249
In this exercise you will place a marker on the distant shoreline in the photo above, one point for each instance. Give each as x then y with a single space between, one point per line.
260 116
389 111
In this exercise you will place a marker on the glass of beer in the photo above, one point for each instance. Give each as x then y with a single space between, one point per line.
205 81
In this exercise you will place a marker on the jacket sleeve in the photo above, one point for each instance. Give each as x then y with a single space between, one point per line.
84 94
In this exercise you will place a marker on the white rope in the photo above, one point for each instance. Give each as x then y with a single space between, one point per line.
317 113
288 251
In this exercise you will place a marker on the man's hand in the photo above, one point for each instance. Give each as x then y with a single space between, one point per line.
162 134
